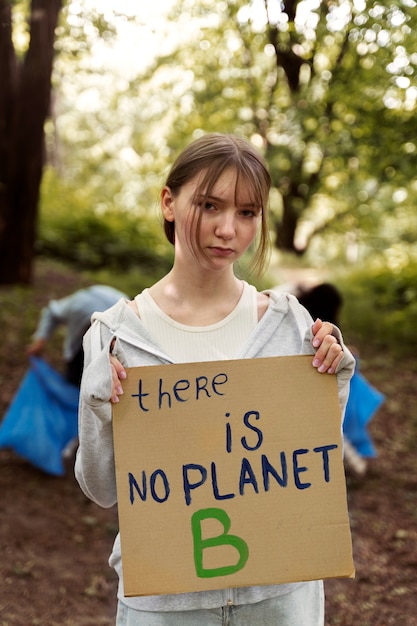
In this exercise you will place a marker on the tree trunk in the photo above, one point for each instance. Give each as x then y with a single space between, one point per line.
285 229
24 107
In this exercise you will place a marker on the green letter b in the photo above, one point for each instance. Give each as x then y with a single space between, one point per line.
224 539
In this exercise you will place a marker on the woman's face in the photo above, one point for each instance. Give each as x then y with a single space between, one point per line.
229 220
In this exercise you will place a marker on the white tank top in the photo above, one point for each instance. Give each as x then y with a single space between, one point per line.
186 344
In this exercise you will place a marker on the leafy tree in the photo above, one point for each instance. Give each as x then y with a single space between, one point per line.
28 49
24 106
326 89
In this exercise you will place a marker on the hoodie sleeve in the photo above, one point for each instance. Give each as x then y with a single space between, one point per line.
94 465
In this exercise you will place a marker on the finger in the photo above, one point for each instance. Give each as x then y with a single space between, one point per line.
316 326
328 356
116 389
120 370
332 369
117 373
326 344
320 331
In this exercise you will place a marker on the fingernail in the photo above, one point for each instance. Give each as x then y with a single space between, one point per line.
115 399
316 362
119 390
123 374
316 343
322 369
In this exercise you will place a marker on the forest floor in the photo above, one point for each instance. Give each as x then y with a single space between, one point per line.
54 543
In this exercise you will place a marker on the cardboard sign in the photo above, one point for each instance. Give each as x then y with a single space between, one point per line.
230 474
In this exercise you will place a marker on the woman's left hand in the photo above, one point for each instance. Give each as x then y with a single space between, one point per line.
329 352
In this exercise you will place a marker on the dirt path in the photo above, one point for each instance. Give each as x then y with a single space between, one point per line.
55 543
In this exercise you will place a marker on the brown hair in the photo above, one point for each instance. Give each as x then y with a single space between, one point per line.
211 155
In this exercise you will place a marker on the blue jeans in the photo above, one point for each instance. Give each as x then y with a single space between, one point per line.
303 607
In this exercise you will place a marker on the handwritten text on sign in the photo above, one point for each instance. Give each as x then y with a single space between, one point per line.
224 467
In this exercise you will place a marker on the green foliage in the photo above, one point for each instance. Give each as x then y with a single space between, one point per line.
74 231
380 305
327 92
131 282
329 96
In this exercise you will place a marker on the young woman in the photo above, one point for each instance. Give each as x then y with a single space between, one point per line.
214 205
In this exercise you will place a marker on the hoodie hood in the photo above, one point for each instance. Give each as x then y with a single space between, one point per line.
121 322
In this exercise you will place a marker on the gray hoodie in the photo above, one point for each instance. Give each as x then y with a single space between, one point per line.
284 330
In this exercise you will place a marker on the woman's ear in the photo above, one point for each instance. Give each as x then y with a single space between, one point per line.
167 201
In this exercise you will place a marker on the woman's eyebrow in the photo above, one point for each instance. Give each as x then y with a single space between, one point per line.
211 197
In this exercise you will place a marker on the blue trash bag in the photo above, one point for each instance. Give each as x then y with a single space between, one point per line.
42 418
364 400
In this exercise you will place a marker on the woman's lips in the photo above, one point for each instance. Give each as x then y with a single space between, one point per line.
218 251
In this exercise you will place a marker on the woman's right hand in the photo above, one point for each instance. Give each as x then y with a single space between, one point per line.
118 373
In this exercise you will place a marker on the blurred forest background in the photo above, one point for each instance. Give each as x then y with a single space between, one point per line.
97 98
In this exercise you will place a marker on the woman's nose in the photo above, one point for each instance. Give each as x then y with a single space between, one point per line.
225 227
